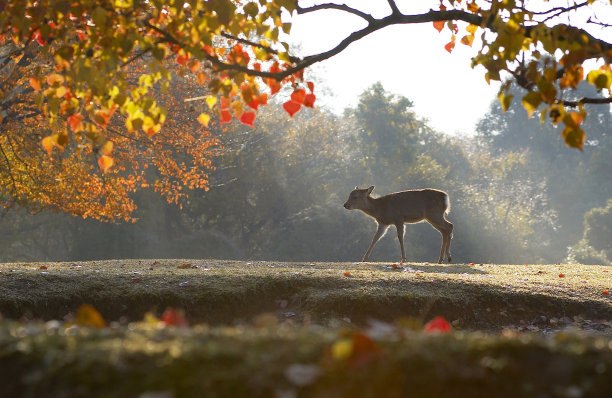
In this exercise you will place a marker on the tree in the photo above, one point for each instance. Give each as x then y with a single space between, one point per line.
77 54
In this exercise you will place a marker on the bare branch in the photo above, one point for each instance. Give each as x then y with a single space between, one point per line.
585 100
340 7
394 9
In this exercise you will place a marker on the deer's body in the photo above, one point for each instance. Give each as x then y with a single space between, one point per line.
410 206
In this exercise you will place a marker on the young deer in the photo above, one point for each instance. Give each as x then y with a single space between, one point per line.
410 206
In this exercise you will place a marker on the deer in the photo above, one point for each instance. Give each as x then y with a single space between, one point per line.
411 206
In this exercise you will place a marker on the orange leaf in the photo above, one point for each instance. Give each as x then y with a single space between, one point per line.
298 96
49 142
74 121
174 317
105 162
606 292
225 102
467 40
185 266
561 275
87 315
309 100
274 85
55 78
347 273
437 325
439 25
449 46
35 83
226 116
291 107
310 86
201 78
263 99
248 118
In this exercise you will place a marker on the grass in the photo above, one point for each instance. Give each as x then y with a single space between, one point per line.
328 330
482 296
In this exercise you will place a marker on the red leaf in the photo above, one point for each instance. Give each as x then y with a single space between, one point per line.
226 116
43 267
291 107
225 103
248 118
298 96
449 46
254 103
174 317
310 86
606 292
274 85
309 100
438 325
561 275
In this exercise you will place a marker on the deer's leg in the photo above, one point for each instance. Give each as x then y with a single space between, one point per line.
446 229
400 237
379 233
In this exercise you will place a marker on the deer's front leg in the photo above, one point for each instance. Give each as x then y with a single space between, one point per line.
400 237
379 233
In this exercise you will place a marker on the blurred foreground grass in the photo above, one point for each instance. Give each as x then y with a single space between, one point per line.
327 330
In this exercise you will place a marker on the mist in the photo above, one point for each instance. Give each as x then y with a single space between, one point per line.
517 193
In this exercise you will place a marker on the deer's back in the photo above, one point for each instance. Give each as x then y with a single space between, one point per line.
410 206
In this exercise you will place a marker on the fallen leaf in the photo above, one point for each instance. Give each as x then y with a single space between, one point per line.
87 315
174 317
347 273
606 292
185 265
43 267
437 325
561 275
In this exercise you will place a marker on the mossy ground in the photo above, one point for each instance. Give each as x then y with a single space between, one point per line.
331 329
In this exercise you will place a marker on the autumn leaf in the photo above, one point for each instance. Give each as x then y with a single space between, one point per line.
211 100
225 116
561 275
174 317
347 273
106 148
105 162
49 143
204 119
87 315
574 137
309 100
310 86
437 325
75 122
439 25
298 96
291 107
35 83
450 45
185 266
467 40
248 118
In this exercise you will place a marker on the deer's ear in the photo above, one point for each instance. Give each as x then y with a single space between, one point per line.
370 189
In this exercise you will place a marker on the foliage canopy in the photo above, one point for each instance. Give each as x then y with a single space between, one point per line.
70 87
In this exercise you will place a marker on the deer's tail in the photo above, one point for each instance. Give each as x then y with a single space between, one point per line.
447 204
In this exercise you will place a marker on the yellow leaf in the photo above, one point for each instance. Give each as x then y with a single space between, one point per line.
531 101
105 162
342 349
49 142
107 148
87 315
211 101
204 119
237 107
55 78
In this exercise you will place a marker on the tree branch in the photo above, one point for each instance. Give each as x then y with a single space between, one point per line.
339 7
585 100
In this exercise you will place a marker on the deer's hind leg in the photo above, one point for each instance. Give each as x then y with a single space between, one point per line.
445 228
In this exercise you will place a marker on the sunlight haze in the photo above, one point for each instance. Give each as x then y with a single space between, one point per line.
409 60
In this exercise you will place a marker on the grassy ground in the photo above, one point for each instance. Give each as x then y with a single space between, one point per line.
328 330
480 296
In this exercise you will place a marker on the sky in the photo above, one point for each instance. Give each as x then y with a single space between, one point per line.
409 60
